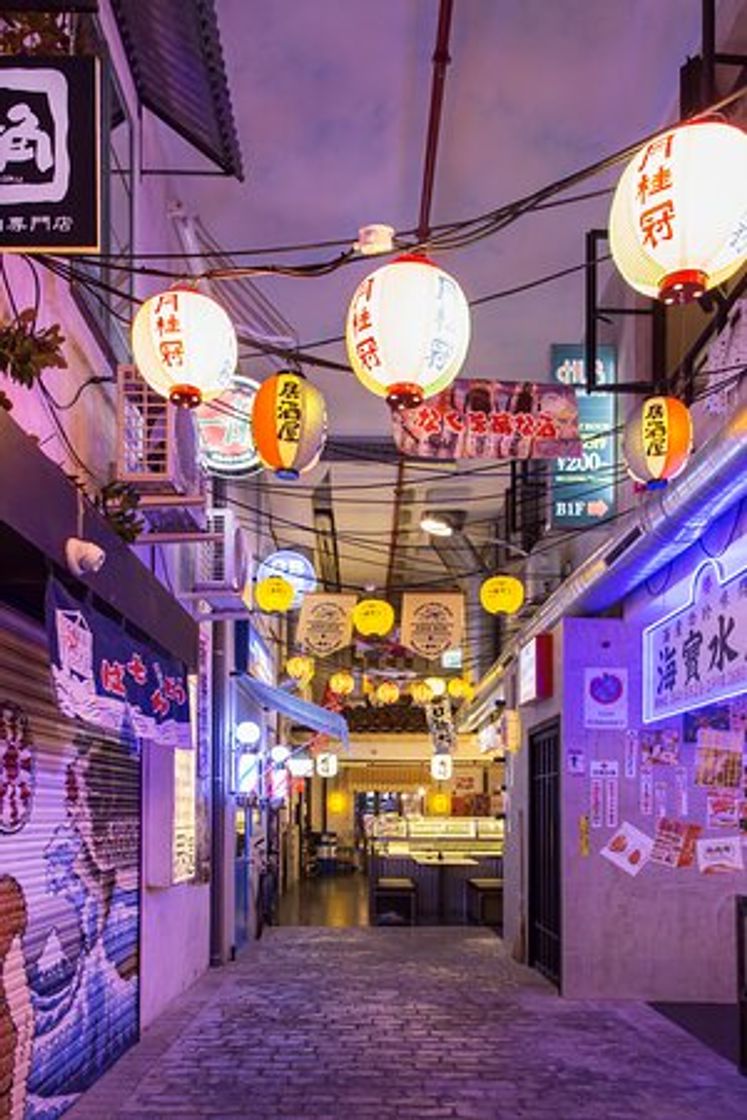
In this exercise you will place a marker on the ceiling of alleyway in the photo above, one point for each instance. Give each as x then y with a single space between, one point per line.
331 103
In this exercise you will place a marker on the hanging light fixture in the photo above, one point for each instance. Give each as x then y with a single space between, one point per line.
184 346
274 595
501 594
289 424
421 692
342 683
460 689
437 685
678 224
373 617
387 692
300 668
658 440
407 330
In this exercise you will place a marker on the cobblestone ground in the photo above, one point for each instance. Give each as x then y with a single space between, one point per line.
399 1024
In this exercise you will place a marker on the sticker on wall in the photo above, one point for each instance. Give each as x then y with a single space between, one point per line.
718 855
646 793
584 837
611 802
629 849
660 800
660 748
680 791
606 698
674 843
718 761
17 767
631 754
605 768
722 809
575 761
596 802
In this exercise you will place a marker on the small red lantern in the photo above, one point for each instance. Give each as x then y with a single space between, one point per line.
658 441
289 424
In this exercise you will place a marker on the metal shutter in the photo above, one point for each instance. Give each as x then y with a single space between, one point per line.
70 828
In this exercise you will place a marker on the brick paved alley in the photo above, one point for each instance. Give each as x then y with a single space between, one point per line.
378 1024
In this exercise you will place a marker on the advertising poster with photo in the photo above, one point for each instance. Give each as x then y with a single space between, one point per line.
717 855
719 758
606 698
660 748
629 849
674 843
722 809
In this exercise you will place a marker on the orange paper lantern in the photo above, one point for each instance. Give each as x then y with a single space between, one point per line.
289 424
658 441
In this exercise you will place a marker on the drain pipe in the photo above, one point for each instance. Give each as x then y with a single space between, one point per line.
662 528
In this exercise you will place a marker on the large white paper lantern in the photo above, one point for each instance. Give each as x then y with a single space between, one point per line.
407 330
184 346
678 223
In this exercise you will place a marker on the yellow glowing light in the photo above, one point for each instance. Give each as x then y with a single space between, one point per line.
421 692
387 692
274 595
658 441
460 689
373 617
342 683
502 593
337 801
300 667
437 685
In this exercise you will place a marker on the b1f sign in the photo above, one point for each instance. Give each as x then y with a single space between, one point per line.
50 154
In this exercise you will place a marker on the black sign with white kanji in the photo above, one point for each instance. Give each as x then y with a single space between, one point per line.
50 154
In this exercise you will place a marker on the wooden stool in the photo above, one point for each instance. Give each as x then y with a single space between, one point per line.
395 902
484 902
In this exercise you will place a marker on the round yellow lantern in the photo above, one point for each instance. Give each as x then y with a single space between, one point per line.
460 689
387 692
677 224
274 595
300 667
342 683
502 594
437 685
184 346
289 424
658 440
407 330
420 692
373 617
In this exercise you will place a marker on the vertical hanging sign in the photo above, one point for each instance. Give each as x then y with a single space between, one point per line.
50 154
583 486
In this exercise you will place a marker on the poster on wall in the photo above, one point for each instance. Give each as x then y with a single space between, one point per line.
680 790
432 622
491 420
325 624
722 808
646 793
674 843
718 855
718 758
629 849
697 654
606 698
660 748
611 802
50 159
575 761
440 722
631 754
103 675
596 802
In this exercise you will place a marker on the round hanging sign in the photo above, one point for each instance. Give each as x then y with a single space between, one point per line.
274 595
373 617
502 594
224 430
295 568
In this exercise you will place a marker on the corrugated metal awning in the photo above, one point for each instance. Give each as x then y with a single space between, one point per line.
174 51
301 711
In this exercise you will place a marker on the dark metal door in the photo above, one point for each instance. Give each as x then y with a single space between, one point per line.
544 852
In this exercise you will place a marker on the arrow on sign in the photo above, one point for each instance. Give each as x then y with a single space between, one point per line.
598 508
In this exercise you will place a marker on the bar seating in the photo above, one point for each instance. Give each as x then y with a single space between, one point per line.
395 902
484 902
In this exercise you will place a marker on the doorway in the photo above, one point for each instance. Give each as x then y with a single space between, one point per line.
544 852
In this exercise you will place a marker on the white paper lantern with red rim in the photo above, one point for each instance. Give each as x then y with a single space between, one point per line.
678 223
407 330
184 346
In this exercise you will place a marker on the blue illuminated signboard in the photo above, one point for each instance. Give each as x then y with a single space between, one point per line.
294 567
583 486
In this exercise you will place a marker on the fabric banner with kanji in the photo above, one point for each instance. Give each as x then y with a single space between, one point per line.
103 675
325 623
491 420
432 622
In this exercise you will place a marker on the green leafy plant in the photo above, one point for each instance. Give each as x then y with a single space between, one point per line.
118 502
26 351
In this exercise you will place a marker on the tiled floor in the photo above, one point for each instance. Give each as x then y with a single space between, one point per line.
406 1024
327 900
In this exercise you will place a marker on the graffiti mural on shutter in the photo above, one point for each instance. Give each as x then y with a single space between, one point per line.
69 892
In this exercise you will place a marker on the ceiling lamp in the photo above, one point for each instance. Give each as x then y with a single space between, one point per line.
460 689
677 224
407 330
502 594
436 525
421 692
300 668
437 685
184 345
342 683
658 440
289 424
387 692
373 617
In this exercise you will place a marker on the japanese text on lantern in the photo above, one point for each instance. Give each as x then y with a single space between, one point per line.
167 324
654 202
366 346
698 654
654 429
288 411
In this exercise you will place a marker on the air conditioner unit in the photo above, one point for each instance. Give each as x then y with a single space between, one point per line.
221 565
